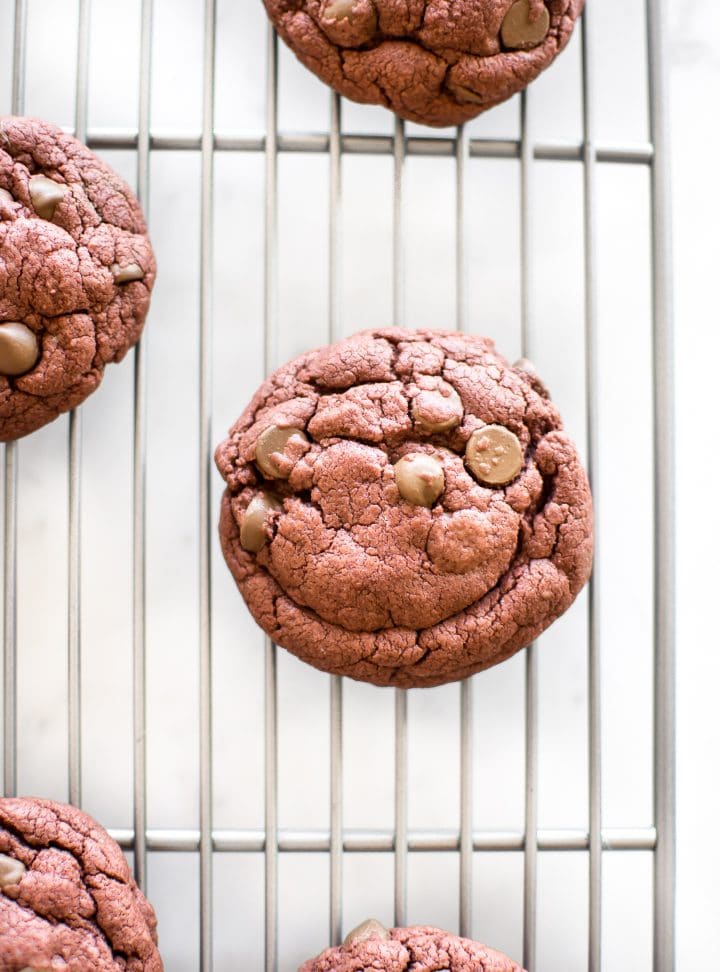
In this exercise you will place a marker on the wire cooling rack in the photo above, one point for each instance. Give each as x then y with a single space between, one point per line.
266 811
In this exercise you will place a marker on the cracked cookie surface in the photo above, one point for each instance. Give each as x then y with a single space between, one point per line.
422 949
404 507
68 902
437 62
76 272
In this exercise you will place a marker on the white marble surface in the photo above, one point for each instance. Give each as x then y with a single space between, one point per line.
366 300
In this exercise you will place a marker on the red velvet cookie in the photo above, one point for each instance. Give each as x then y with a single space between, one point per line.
437 62
370 946
404 507
76 272
68 902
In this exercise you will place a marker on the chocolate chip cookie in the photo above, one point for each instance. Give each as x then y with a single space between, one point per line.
437 62
76 272
68 902
404 507
370 946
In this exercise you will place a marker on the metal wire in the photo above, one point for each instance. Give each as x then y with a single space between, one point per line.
271 728
205 445
139 483
336 685
531 662
664 499
383 841
74 635
11 484
10 624
466 691
638 153
401 696
592 419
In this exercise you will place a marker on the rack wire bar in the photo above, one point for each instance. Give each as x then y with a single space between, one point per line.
383 841
637 153
9 781
205 503
139 501
594 674
336 685
74 632
401 769
466 694
271 726
10 623
531 660
664 498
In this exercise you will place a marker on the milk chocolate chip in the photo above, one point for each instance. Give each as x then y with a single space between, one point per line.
439 409
494 455
369 929
45 195
522 29
420 478
18 349
339 10
11 871
348 23
271 442
253 530
465 95
128 273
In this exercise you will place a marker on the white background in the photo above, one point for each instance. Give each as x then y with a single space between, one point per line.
623 490
695 76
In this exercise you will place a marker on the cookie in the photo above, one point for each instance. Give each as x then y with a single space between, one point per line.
68 902
437 62
76 272
370 946
404 507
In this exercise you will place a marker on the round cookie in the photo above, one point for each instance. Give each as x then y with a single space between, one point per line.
370 946
68 902
437 62
76 272
404 507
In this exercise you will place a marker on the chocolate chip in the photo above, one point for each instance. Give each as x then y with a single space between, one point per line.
369 929
439 409
253 530
465 95
128 273
349 23
45 195
339 10
11 871
420 478
6 197
494 455
521 31
18 349
271 442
